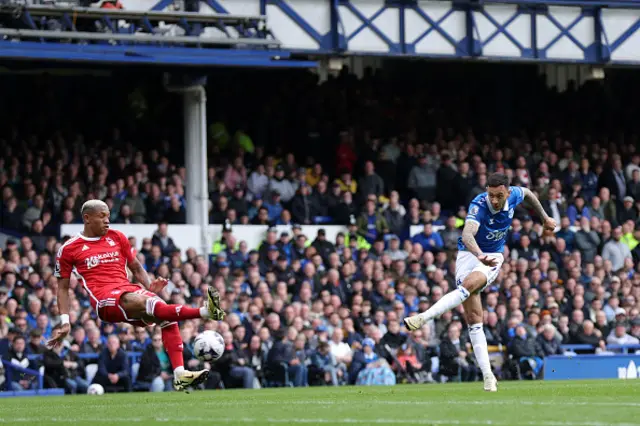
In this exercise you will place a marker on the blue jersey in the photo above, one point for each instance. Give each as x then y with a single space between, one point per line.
494 226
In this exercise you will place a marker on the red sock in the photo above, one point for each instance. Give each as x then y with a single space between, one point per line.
173 344
164 312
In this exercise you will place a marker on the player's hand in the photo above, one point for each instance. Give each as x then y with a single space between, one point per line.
58 336
487 260
550 224
157 285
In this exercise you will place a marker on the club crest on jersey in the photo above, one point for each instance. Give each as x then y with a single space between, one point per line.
110 241
474 210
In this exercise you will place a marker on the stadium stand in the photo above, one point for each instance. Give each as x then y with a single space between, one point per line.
372 154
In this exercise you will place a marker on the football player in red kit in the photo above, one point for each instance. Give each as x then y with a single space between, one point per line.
100 256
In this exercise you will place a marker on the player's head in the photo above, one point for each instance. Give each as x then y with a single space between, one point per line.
95 215
498 190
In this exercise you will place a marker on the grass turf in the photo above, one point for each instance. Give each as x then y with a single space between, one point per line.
583 403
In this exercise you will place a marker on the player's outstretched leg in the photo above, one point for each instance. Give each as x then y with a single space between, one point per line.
182 379
160 310
472 283
473 317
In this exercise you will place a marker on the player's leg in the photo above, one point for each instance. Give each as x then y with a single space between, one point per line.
145 306
469 281
136 305
172 341
473 318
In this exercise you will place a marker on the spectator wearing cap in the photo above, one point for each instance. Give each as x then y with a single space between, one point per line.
429 240
238 201
628 211
422 180
615 250
283 186
577 210
303 206
274 205
635 328
323 246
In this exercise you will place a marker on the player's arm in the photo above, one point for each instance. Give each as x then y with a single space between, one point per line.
469 240
62 271
548 222
139 273
137 270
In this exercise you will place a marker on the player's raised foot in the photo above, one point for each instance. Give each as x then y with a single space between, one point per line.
189 379
215 311
413 323
491 383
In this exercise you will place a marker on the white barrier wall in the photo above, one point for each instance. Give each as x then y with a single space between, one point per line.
185 236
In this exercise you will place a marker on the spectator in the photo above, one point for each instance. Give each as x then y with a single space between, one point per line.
587 241
370 183
303 206
526 352
619 336
450 234
258 183
113 368
429 240
422 180
281 185
155 368
162 239
371 224
548 343
615 250
628 211
17 356
454 358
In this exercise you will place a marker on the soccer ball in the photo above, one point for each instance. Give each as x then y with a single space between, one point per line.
95 389
208 346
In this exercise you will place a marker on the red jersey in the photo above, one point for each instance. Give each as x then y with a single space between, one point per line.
100 262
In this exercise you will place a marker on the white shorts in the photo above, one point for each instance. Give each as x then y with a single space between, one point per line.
467 263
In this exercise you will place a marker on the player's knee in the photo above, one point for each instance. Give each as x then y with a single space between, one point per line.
474 282
133 303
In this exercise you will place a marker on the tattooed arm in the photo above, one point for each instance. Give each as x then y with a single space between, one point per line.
548 222
469 237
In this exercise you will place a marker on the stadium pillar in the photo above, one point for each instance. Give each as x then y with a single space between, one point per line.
195 142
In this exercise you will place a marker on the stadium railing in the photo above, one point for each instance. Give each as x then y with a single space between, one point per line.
583 347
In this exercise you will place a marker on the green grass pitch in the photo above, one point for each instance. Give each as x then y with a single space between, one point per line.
583 403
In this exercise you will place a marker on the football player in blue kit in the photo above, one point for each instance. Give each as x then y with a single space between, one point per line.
480 257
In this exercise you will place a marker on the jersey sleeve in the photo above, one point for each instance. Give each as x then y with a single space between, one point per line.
64 263
517 194
127 250
476 213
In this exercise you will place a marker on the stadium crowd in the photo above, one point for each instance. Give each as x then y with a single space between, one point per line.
303 310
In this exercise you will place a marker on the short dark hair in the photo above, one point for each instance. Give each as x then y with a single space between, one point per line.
497 179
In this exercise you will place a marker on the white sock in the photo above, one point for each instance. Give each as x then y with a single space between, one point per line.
446 303
479 343
178 371
204 312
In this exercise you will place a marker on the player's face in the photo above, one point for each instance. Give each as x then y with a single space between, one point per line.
98 221
498 196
